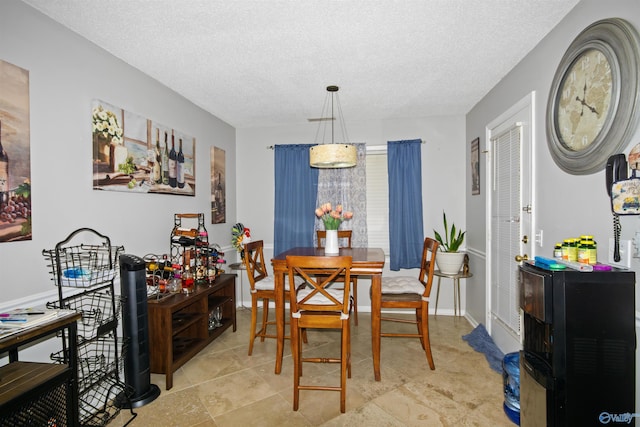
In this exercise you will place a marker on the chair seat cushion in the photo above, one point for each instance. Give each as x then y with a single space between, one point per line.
267 284
402 285
320 299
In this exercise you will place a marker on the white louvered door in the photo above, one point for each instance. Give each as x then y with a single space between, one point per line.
511 219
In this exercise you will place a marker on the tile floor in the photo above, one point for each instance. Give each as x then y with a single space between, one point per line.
222 386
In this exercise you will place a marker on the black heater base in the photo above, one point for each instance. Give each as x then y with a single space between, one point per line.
123 402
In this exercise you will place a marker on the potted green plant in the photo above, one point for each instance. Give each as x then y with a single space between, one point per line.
449 259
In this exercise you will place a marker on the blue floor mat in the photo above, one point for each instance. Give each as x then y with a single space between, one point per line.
480 340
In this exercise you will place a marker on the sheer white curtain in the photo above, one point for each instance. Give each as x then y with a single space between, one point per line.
347 187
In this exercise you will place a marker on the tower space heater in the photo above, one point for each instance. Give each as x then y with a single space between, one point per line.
137 371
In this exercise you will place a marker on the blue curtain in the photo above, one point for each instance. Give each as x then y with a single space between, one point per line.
406 233
296 187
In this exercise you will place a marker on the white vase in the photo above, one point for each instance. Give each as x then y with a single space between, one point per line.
331 243
449 262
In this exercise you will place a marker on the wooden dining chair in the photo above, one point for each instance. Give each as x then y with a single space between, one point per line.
406 292
262 289
316 304
343 236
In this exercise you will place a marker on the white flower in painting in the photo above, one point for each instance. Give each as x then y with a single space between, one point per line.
106 124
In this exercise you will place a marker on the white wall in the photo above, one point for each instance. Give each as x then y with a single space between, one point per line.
66 73
567 205
443 175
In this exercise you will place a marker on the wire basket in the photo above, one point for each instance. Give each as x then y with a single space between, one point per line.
84 265
98 405
100 310
97 360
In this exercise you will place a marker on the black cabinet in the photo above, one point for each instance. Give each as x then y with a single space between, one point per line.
578 358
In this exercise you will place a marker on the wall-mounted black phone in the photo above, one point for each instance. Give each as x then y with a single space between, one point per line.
616 171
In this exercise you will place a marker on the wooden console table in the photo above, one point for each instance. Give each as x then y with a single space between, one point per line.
179 324
34 393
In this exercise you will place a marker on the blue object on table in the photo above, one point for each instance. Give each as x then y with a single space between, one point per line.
13 319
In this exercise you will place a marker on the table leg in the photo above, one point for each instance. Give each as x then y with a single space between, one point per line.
437 295
457 285
279 288
376 294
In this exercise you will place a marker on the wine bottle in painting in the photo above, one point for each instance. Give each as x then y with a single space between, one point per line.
157 169
173 181
165 161
151 161
180 166
4 171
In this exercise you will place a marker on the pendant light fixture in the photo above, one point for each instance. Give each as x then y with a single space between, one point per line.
333 155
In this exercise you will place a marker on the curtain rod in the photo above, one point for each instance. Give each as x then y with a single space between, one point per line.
271 147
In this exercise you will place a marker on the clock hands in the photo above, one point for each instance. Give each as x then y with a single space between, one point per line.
583 101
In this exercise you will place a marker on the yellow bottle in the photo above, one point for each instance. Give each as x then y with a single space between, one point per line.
573 250
592 249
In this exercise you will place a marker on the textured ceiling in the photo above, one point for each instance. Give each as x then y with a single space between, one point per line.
263 63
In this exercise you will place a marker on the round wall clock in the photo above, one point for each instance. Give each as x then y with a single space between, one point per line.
593 108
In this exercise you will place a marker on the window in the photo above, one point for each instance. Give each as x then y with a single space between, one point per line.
377 198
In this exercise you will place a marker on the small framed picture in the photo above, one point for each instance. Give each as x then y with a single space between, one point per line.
475 166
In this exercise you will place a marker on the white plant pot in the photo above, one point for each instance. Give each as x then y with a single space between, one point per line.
450 262
331 243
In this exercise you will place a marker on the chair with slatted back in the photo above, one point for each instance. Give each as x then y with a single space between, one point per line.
316 304
406 292
343 236
262 288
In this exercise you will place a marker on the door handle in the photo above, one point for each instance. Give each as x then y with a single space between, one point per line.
520 258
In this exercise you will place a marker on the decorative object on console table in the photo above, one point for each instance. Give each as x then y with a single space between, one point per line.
190 246
449 260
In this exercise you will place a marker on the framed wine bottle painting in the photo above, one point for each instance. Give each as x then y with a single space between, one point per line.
15 157
475 167
138 155
218 186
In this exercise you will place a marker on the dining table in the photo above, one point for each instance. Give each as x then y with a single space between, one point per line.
365 262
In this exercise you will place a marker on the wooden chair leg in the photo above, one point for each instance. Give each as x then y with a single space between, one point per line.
344 365
265 318
349 352
419 325
254 320
426 343
296 356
